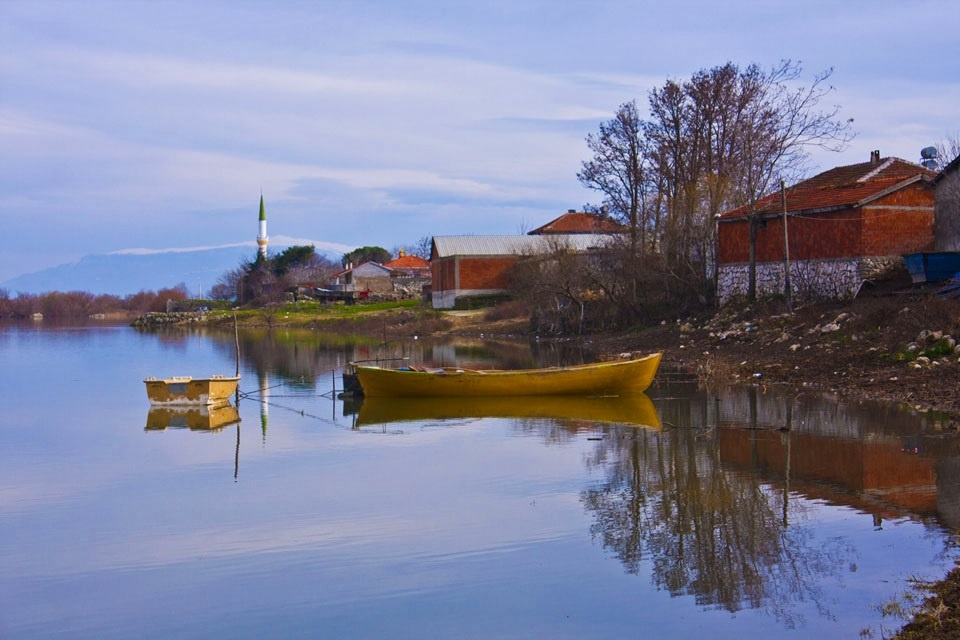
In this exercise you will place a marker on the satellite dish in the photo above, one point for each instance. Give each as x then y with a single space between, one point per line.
928 153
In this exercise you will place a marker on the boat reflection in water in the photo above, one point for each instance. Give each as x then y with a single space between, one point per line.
196 418
636 410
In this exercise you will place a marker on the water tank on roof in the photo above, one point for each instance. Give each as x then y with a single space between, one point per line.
929 159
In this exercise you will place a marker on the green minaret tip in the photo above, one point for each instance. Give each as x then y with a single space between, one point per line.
263 211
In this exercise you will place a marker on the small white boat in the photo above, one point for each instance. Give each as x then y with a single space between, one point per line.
187 391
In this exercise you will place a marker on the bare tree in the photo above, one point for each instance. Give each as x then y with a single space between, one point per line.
617 167
715 142
422 247
778 125
947 150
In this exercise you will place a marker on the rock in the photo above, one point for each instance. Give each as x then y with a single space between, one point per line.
794 347
830 328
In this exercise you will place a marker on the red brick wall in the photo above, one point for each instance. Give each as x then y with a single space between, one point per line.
486 273
823 236
443 272
899 223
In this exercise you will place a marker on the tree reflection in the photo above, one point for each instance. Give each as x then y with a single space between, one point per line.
705 530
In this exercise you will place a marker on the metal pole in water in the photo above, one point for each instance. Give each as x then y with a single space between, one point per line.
236 341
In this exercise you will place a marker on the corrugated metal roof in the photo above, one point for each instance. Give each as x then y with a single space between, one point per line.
515 245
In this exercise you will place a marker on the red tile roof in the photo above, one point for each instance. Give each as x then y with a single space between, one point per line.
579 222
406 261
841 187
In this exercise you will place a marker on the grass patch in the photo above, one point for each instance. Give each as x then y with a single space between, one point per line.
304 312
938 349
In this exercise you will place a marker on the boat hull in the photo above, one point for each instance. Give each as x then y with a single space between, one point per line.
182 392
619 377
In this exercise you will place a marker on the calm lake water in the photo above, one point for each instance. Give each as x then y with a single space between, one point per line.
729 515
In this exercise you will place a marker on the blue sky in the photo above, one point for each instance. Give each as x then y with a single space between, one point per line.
153 125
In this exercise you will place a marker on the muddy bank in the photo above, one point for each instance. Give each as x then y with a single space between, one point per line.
896 348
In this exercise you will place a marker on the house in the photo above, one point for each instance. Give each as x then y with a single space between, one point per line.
844 226
579 222
370 277
472 266
409 266
946 225
409 274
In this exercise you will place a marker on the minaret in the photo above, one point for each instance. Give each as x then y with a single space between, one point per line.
262 238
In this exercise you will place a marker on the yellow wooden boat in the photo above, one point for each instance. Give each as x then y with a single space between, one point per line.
619 377
187 391
635 409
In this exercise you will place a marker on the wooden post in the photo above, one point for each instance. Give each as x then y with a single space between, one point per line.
786 248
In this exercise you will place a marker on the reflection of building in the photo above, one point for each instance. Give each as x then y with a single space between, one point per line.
870 458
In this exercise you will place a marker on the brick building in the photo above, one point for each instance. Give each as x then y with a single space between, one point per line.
845 226
472 266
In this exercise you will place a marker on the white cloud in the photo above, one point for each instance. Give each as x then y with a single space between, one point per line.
406 117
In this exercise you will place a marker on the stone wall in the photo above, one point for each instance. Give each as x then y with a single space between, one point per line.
809 279
946 223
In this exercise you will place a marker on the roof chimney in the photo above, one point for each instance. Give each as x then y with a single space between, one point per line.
875 156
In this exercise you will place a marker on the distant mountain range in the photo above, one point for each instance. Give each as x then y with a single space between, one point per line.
126 273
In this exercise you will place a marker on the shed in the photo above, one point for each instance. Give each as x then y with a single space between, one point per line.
465 266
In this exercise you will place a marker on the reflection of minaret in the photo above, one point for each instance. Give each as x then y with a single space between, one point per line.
264 401
262 238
